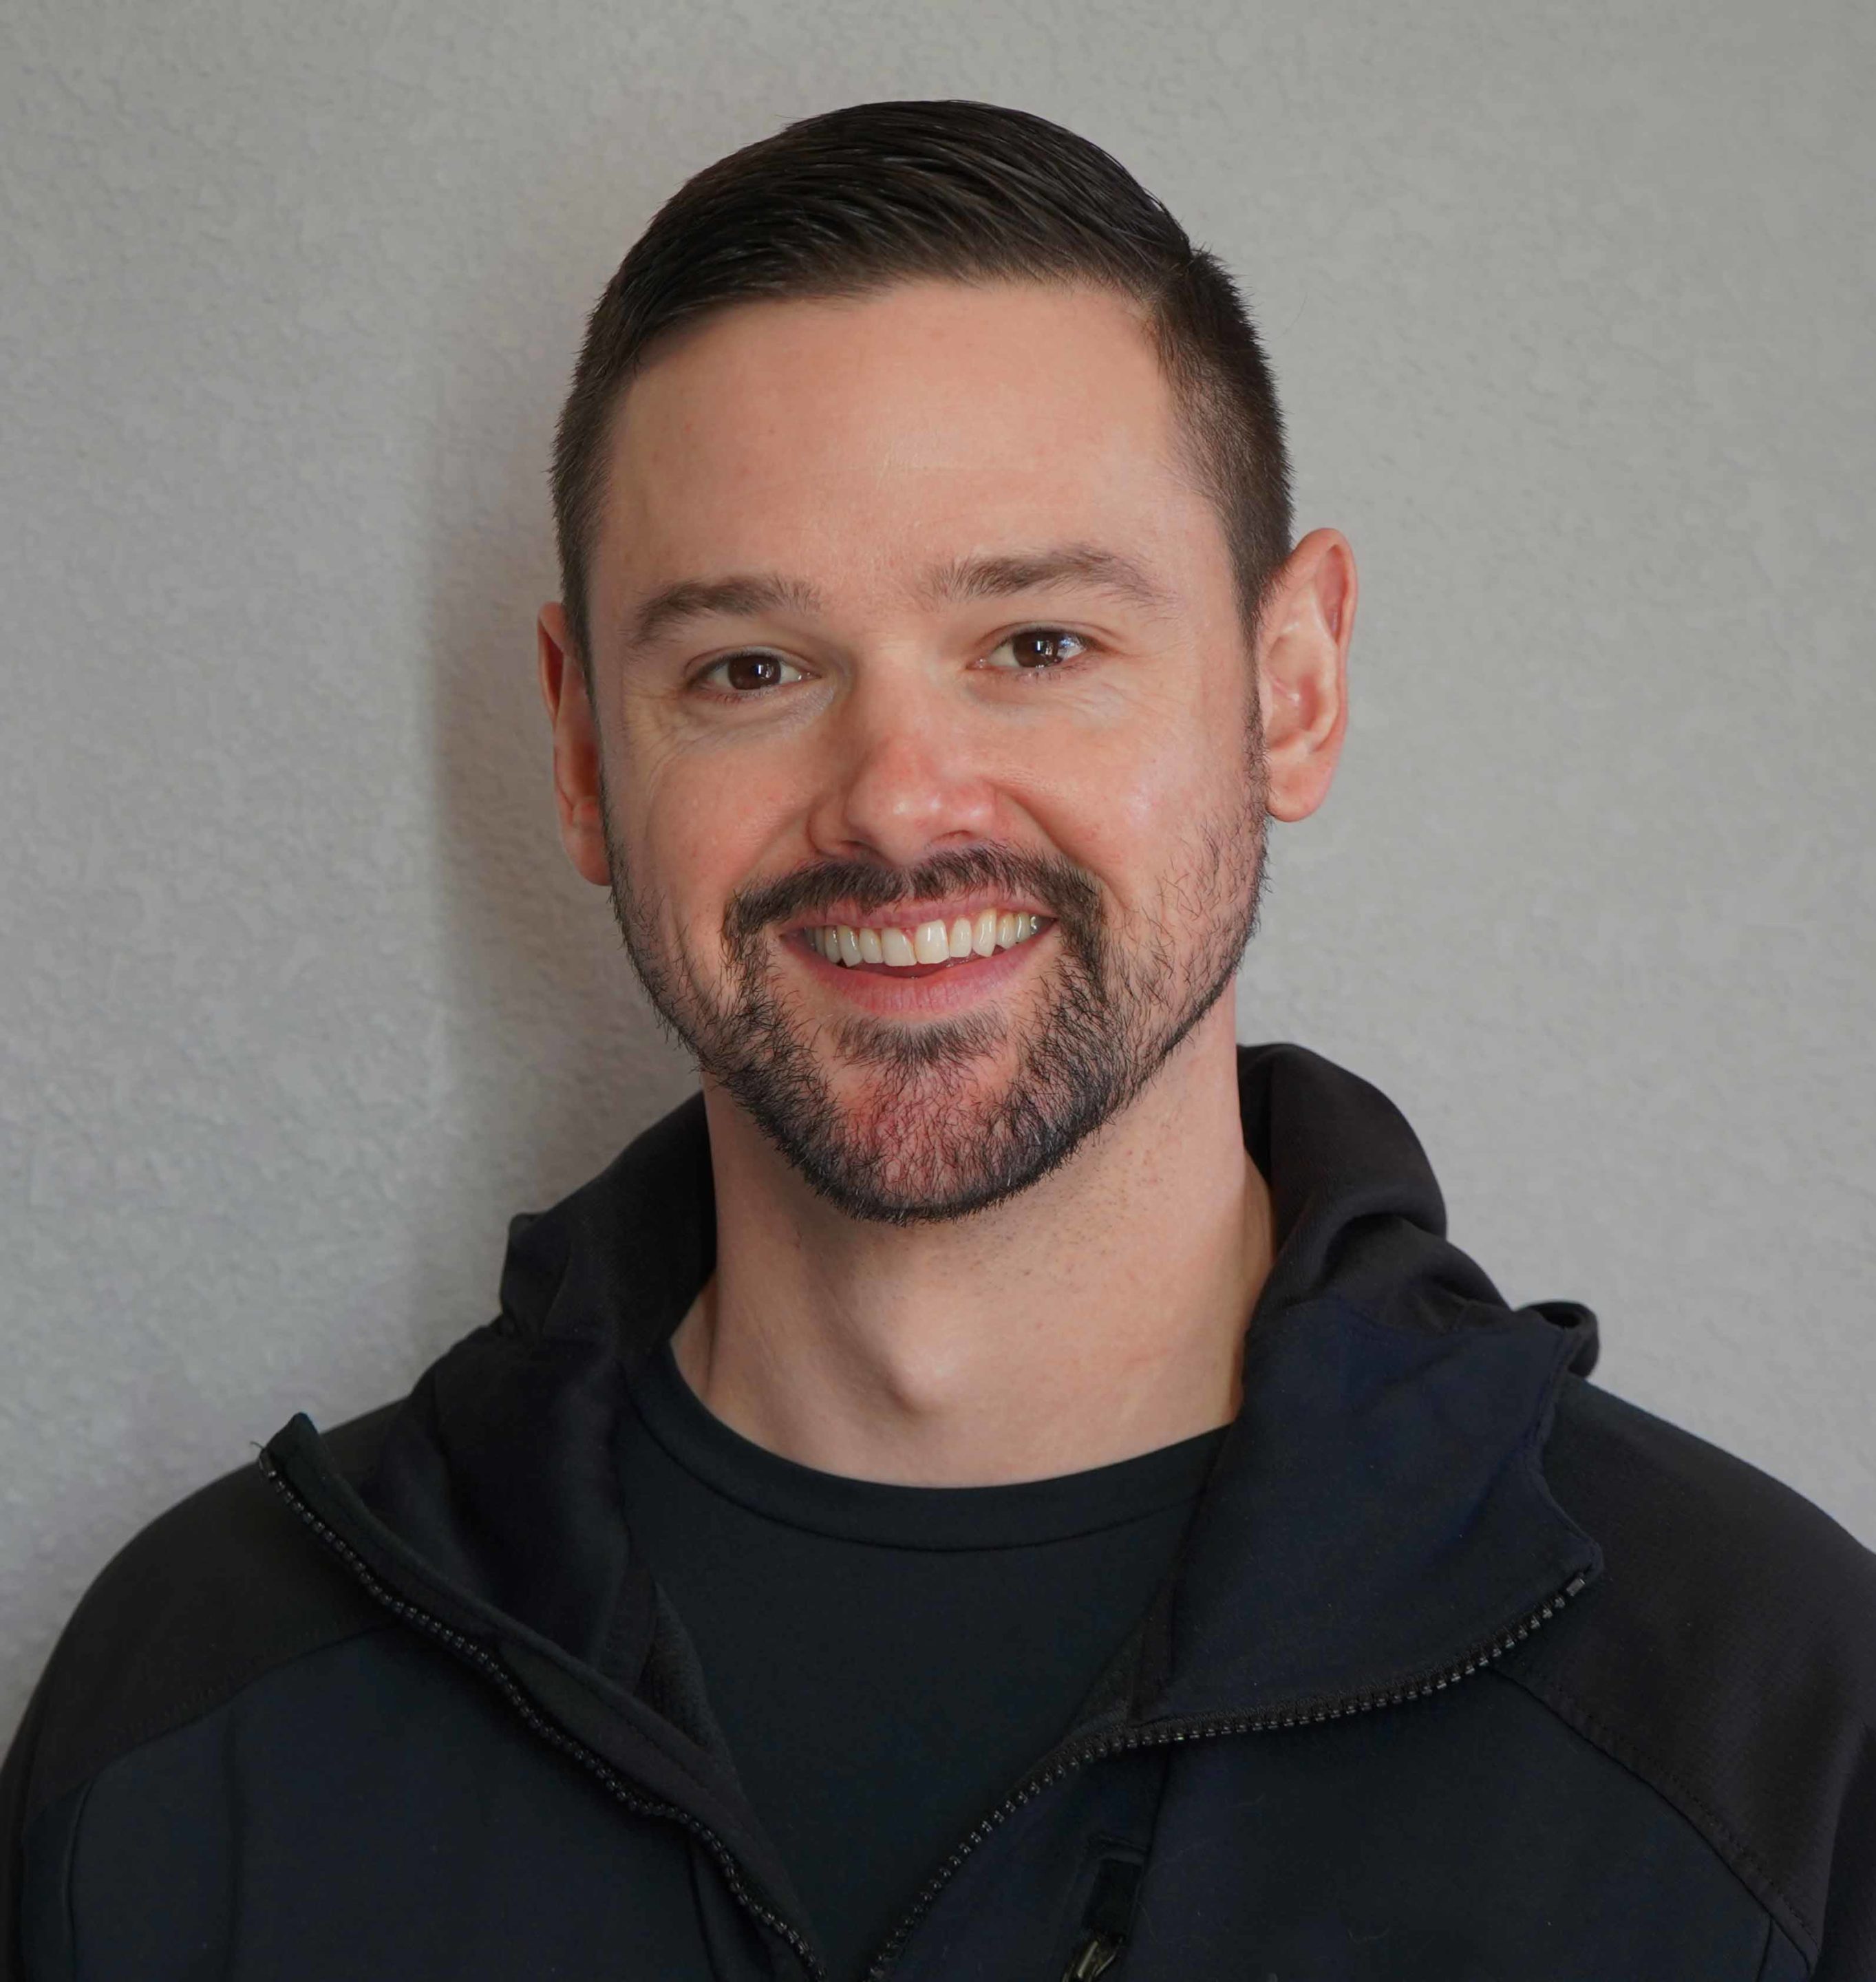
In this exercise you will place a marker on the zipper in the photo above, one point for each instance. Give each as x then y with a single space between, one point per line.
1107 1920
1062 1761
1163 1733
1094 1957
492 1668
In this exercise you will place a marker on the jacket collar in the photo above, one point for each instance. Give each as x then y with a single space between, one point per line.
1376 1513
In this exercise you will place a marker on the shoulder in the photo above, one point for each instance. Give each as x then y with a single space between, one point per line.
214 1592
1771 1580
1727 1653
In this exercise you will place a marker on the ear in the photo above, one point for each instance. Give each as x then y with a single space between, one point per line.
1303 672
576 748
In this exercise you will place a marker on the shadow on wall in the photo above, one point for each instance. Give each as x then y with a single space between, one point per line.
554 1059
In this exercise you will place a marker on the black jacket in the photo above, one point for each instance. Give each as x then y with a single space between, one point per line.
1466 1670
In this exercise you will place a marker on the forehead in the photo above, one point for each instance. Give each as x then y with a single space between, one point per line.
865 436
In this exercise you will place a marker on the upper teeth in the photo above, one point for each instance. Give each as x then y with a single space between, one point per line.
926 943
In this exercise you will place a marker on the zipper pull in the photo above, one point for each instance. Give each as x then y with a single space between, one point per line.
1104 1925
1093 1958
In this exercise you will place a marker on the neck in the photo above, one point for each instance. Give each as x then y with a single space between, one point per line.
1098 1315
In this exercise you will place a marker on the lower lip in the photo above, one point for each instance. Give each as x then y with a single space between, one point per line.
957 985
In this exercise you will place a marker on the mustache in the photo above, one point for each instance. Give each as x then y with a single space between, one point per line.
1073 897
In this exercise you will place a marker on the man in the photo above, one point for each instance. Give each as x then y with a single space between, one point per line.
1005 1482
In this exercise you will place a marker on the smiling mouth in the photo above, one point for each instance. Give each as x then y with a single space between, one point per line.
923 949
863 969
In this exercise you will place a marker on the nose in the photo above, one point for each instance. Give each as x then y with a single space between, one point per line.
907 773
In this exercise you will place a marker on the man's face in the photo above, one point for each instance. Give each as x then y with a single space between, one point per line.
891 752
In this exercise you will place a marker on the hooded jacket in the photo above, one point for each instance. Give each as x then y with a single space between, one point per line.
1466 1669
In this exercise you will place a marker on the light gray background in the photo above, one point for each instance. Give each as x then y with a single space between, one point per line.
1568 308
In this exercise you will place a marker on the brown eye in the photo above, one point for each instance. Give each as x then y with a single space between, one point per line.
1031 647
747 675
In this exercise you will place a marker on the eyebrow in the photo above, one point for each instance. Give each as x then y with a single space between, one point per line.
746 595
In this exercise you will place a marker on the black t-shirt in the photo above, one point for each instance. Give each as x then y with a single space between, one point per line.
886 1662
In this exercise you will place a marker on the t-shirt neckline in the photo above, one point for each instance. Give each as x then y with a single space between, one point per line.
1017 1515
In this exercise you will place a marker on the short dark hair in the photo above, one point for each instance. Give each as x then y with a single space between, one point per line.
857 199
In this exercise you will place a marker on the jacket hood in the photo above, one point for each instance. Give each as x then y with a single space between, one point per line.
1377 1513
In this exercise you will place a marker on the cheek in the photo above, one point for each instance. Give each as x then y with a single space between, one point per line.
1143 792
1134 812
700 834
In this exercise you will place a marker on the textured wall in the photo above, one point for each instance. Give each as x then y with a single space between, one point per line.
1569 308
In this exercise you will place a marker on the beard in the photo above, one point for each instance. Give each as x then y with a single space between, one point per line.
897 1121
